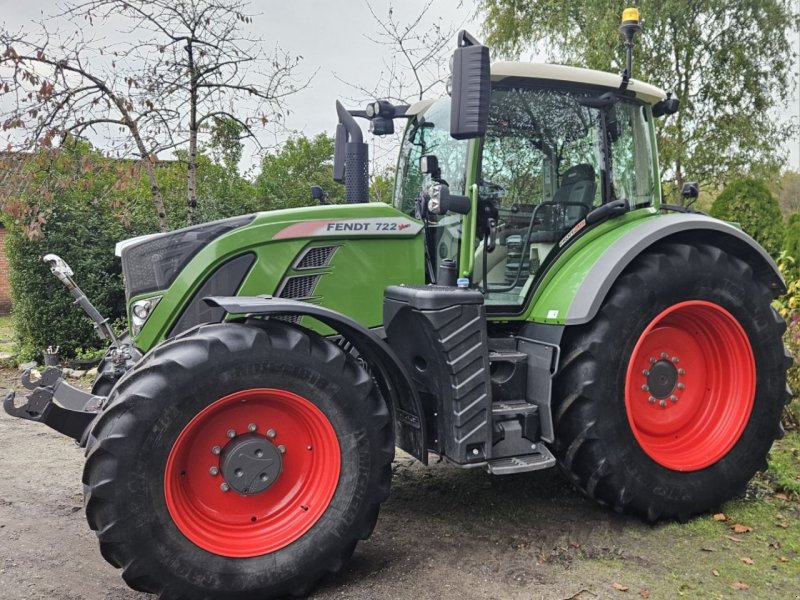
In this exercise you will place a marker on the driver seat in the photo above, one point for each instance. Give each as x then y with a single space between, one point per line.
577 188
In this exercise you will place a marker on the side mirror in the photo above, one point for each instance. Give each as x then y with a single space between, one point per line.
429 165
470 88
690 191
320 195
442 201
668 106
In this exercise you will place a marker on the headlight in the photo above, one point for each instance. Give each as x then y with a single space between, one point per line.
141 311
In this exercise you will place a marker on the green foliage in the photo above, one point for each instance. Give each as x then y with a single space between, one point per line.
749 203
729 63
788 307
286 177
78 204
791 240
381 187
78 217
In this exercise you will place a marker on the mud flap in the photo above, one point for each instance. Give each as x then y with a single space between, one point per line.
55 403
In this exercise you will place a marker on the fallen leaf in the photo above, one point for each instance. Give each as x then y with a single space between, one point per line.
783 559
720 517
747 560
734 539
782 525
739 528
618 586
775 544
715 573
707 549
644 594
740 585
781 496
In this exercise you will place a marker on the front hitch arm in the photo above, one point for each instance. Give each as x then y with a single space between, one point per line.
55 403
60 268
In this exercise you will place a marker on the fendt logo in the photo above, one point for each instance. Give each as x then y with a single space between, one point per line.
373 226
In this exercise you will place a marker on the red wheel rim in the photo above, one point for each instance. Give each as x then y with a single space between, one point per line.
228 523
690 385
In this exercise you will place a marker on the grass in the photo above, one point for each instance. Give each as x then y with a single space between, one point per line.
6 334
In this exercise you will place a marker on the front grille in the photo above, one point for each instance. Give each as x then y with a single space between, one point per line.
155 263
299 287
316 257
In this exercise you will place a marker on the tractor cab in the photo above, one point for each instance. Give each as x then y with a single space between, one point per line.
559 143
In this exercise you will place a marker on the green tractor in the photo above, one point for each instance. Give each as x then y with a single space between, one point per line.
527 301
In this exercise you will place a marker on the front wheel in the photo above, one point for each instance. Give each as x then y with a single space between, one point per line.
238 461
670 399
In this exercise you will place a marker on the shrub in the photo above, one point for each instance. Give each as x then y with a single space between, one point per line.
749 203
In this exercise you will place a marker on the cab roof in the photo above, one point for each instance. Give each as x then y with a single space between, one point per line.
528 70
644 91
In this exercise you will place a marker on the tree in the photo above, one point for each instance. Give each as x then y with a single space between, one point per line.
749 203
174 69
788 192
729 63
418 53
286 176
54 92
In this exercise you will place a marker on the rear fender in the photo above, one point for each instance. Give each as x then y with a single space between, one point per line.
580 286
394 381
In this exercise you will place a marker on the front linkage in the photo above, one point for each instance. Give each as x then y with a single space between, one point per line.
55 402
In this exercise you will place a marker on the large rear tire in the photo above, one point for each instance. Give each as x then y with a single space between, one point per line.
670 399
169 479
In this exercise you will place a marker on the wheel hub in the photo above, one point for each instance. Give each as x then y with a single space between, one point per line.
662 379
250 464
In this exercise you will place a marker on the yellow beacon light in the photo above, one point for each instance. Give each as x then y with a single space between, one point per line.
630 15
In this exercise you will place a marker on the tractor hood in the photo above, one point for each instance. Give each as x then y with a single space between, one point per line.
333 255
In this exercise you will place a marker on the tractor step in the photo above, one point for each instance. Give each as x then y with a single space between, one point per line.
539 459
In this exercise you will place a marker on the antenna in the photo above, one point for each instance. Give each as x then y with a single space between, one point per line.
630 26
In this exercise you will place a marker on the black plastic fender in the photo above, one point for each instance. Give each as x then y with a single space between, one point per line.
395 382
683 227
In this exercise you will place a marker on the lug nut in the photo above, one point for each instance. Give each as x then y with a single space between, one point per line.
252 427
216 450
664 355
645 388
645 372
231 433
224 487
675 359
651 400
281 448
662 403
652 360
271 433
214 471
681 371
674 398
680 386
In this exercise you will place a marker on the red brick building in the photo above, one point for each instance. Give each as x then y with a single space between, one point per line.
5 284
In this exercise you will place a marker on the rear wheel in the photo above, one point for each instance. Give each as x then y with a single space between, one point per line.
238 461
670 399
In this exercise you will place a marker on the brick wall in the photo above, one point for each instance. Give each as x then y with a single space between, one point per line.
5 285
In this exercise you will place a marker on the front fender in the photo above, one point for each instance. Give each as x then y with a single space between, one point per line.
580 285
395 382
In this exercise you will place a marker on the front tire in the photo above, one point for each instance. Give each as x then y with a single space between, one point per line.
168 480
670 399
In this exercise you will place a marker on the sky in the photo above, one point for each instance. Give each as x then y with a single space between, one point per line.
330 35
